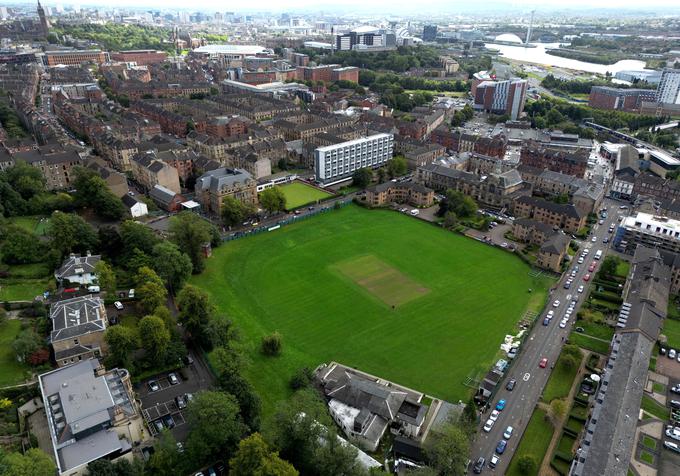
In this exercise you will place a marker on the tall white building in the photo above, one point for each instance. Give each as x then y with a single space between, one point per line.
668 91
337 162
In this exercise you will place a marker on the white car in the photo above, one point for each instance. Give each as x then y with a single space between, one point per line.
673 432
118 305
672 446
580 260
508 433
550 314
494 415
488 425
556 303
563 323
580 289
671 354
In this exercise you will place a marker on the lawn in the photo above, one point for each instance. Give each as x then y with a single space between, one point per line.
535 441
451 302
24 290
560 381
589 343
671 329
299 194
654 408
35 223
11 371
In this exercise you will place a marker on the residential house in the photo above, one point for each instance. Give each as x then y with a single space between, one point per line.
149 171
552 252
411 193
166 199
565 216
78 326
136 208
77 269
213 186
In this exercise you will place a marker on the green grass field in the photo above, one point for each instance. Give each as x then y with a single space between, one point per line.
11 371
671 329
535 442
298 194
463 298
33 223
560 381
24 290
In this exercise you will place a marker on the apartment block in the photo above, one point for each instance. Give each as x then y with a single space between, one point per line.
565 216
337 162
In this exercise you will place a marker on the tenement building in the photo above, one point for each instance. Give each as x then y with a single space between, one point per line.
212 187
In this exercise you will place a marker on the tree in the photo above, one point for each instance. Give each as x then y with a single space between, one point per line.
25 179
526 464
25 344
362 177
558 408
271 344
273 199
93 191
21 246
105 277
216 425
165 459
450 220
134 235
609 265
234 211
69 233
150 289
121 342
447 450
195 313
457 202
397 166
122 467
155 337
190 233
38 357
255 458
228 364
568 361
34 462
173 266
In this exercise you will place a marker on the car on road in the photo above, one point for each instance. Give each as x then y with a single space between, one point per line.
479 465
550 314
556 303
500 405
594 239
172 377
543 363
118 305
493 462
508 433
546 321
672 446
153 386
494 415
563 323
488 425
188 359
511 384
586 277
500 447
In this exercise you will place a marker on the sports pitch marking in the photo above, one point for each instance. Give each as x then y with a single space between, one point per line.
381 280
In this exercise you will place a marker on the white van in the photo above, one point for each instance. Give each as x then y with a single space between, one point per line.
598 254
93 289
415 212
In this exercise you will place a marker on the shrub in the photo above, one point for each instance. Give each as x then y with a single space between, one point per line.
271 344
301 379
526 464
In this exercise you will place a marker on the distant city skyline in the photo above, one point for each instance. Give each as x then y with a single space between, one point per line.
382 6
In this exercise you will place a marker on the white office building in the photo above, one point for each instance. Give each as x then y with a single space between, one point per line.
668 91
649 230
337 162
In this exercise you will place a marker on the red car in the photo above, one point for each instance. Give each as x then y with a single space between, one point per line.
544 363
592 267
71 290
586 277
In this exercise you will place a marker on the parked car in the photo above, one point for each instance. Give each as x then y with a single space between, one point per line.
188 359
580 289
672 446
93 289
479 465
662 350
158 425
563 323
673 432
131 293
675 404
511 384
500 405
546 321
580 329
671 354
494 415
169 421
675 389
508 433
181 402
556 303
172 377
180 447
543 363
153 386
550 314
500 447
586 277
493 462
118 305
488 425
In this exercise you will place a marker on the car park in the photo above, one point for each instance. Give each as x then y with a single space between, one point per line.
543 363
511 384
494 415
153 386
500 447
508 433
479 465
500 405
488 425
493 462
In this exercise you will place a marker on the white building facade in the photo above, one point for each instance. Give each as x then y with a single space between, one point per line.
668 91
337 162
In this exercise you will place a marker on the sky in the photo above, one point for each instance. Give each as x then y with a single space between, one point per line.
386 6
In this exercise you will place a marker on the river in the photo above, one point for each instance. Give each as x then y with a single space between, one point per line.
538 55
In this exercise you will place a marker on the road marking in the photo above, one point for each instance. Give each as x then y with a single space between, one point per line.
526 377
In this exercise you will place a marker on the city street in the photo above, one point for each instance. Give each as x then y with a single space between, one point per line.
544 342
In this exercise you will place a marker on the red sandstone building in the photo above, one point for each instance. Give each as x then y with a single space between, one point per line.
140 57
629 100
75 57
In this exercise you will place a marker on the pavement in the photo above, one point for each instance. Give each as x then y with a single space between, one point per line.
543 342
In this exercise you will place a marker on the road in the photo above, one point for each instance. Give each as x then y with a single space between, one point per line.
544 342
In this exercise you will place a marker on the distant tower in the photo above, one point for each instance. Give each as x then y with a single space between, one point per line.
43 19
531 25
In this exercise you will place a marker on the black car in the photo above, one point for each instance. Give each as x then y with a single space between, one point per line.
169 421
159 425
479 465
511 385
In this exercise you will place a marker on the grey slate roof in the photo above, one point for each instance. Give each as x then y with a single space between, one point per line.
77 264
559 208
77 316
218 179
359 393
555 244
162 194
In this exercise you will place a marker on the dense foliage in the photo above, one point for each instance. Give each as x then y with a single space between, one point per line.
116 37
579 86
